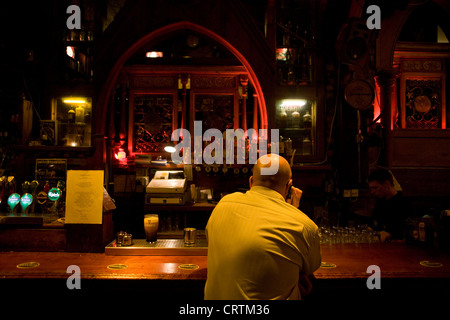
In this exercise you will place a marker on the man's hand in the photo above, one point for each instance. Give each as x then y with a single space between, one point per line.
304 284
385 236
295 196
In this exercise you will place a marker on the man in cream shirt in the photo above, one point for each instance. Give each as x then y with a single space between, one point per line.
260 246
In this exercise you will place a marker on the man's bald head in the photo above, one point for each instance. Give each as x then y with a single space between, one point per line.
276 181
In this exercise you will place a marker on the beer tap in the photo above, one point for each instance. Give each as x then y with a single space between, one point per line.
11 188
2 192
34 185
60 202
25 201
13 197
46 187
13 201
60 185
25 187
42 197
54 194
27 198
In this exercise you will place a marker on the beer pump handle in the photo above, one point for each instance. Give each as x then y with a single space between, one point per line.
13 201
33 186
25 187
46 187
2 188
60 185
11 185
25 201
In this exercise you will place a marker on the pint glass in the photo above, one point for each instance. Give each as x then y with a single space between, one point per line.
151 222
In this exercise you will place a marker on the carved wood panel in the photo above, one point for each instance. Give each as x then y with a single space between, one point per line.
422 94
152 127
423 103
163 99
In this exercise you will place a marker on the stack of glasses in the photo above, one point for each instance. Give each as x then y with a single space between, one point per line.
342 235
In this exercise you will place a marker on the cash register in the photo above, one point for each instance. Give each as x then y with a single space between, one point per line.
167 187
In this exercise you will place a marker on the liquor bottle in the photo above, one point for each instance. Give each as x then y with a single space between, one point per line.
307 120
79 114
295 119
307 146
71 115
422 231
283 118
281 146
288 146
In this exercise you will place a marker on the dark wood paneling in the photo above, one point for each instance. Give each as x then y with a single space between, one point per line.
32 239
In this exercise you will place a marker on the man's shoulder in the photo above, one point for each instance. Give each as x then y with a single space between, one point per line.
232 196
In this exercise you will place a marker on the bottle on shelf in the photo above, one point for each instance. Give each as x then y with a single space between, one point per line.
307 120
295 119
283 118
306 146
288 146
71 115
79 114
281 146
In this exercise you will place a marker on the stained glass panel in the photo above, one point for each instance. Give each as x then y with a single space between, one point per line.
215 111
423 104
152 122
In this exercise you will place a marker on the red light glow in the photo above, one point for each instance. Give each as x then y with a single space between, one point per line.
121 155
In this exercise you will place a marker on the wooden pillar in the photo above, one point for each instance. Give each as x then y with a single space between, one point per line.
244 82
184 81
385 80
123 131
255 114
271 23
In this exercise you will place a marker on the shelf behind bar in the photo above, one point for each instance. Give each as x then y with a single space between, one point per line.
162 247
199 206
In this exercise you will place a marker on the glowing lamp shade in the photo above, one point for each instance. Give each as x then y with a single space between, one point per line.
121 155
70 51
170 148
281 54
154 54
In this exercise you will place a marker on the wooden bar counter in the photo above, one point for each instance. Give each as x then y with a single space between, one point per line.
343 273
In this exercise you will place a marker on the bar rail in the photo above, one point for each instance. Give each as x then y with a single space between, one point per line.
411 272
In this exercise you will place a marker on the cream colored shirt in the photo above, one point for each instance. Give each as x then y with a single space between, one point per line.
257 246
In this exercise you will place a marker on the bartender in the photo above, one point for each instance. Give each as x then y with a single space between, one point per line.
260 246
391 208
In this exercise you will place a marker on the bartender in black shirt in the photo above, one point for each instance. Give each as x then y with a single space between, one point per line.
391 209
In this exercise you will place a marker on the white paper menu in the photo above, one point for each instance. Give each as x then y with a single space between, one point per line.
84 196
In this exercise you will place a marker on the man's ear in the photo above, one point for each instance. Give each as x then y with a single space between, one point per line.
250 181
288 186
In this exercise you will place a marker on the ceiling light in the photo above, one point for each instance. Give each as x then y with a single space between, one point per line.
170 148
154 54
293 103
74 101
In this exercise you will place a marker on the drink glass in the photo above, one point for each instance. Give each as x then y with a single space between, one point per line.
189 236
151 223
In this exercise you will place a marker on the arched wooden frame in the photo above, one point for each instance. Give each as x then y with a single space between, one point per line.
108 87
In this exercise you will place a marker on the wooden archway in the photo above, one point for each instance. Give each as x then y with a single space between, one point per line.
106 90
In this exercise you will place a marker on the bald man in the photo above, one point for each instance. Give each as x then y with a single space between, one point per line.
260 246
